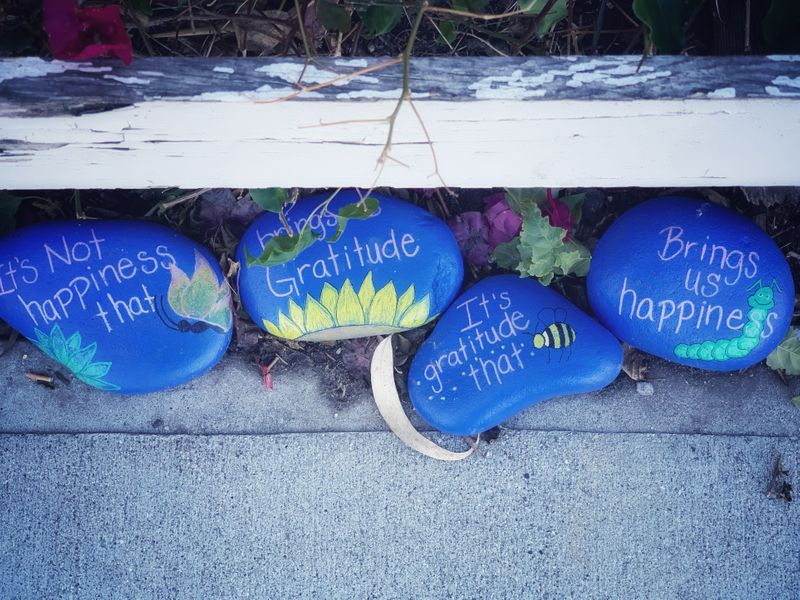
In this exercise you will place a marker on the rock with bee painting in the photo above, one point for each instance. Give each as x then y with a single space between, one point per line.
692 282
502 346
126 306
367 267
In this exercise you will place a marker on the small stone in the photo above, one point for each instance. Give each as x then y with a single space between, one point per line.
692 282
504 345
126 306
393 271
645 388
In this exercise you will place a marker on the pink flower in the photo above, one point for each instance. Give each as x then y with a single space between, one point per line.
471 232
503 222
85 33
559 213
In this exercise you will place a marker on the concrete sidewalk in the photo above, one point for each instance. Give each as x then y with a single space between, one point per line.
292 494
337 515
231 398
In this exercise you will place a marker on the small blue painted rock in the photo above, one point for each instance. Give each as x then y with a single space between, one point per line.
503 345
392 271
127 306
692 282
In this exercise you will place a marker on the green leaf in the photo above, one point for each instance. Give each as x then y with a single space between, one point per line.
556 13
142 6
786 356
506 255
665 20
281 249
781 26
575 204
379 20
519 198
356 210
271 199
9 205
540 250
473 6
332 16
447 33
796 401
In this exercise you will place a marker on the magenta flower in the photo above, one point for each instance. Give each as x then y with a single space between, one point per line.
472 234
83 33
559 213
503 222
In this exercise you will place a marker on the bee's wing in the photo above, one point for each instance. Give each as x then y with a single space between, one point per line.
545 317
559 315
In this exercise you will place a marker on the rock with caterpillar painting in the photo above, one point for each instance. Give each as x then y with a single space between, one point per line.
503 345
692 282
127 306
394 270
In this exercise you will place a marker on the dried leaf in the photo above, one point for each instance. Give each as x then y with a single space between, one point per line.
786 356
262 35
634 363
388 402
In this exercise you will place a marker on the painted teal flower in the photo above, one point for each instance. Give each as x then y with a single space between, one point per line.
70 353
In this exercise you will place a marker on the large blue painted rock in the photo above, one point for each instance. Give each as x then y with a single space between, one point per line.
692 282
390 272
504 345
126 306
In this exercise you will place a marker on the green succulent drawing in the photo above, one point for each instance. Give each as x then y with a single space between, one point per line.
70 353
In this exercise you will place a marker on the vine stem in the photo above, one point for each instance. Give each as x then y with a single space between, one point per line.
406 91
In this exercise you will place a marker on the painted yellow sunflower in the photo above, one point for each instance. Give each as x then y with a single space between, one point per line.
345 313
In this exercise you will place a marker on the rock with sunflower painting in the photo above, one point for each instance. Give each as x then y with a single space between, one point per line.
368 266
126 306
503 345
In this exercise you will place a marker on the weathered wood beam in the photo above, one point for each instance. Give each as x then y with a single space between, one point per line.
574 121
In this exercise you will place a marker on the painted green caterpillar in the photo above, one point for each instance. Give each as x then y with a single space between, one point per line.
760 302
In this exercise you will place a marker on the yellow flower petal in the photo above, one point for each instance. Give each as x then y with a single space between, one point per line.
287 328
272 328
403 303
296 315
317 317
348 308
366 292
417 314
328 298
383 307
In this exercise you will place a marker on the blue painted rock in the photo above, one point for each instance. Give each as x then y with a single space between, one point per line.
502 346
692 282
390 272
126 306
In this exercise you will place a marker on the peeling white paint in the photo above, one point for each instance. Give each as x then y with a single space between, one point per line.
291 72
394 94
128 80
36 67
477 143
265 92
351 62
778 93
223 70
726 92
787 81
611 77
151 73
515 86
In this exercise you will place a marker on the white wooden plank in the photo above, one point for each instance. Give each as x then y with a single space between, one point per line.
504 129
